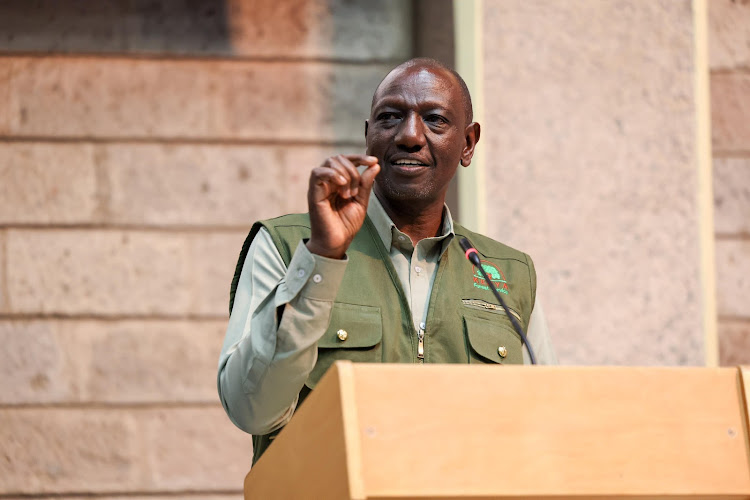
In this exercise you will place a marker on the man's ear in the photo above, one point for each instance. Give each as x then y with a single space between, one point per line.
471 133
367 124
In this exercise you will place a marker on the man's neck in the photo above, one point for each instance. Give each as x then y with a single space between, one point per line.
416 221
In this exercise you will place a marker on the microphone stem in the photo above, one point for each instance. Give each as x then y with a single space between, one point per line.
511 317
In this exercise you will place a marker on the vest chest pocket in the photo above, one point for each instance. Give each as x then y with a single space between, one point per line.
355 333
492 340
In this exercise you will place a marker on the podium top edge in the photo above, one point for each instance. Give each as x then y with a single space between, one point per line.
587 368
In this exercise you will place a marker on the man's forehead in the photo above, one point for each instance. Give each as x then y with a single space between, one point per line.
432 83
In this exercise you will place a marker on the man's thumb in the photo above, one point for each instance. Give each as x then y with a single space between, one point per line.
367 178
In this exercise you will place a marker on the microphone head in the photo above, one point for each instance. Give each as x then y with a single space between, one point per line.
469 250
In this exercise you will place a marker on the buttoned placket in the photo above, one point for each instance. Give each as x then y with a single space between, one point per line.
417 267
419 281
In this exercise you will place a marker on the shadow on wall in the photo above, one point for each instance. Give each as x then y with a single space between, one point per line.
325 30
138 26
140 139
348 32
434 37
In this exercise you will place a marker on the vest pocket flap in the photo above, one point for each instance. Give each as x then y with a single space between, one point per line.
493 341
354 333
352 326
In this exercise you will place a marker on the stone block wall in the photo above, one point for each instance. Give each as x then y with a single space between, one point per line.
591 169
139 139
138 142
729 45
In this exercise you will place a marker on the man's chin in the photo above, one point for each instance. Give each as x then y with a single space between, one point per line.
402 192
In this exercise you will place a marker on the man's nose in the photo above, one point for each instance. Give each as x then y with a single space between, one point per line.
411 134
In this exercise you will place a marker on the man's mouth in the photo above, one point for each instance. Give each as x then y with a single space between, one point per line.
409 163
408 167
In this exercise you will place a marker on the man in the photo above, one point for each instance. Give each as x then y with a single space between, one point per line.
375 272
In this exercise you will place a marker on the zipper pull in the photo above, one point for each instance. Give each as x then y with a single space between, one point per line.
420 346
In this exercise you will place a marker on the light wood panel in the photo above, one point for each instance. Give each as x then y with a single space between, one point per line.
551 432
309 456
454 431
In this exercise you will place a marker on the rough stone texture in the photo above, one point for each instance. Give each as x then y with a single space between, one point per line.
729 33
203 185
101 272
120 450
34 365
5 74
68 450
348 29
141 167
183 450
590 169
3 282
47 183
330 29
98 272
81 97
215 256
71 361
730 112
154 184
730 106
732 195
733 277
734 343
434 30
155 361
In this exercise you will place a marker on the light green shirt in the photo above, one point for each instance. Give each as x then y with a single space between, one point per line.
264 363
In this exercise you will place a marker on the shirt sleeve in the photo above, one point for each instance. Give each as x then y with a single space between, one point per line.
270 346
539 338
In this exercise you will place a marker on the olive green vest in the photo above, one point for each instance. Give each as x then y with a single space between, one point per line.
464 323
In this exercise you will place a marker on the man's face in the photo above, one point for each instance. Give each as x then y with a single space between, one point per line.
416 130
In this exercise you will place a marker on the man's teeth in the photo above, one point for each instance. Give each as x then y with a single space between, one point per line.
407 162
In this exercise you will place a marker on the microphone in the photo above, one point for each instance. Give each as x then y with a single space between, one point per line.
473 256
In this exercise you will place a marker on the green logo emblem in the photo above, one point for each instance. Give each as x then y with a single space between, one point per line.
496 276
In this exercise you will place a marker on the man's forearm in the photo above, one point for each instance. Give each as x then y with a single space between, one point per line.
265 362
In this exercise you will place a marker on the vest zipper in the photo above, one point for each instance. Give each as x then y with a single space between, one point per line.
420 345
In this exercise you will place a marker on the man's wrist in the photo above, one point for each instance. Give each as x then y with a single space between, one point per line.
316 249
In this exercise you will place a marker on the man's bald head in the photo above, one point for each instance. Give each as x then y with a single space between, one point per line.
428 63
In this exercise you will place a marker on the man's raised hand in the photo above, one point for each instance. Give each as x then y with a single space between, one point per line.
337 200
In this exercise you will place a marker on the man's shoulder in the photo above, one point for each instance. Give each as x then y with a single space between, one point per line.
490 247
288 220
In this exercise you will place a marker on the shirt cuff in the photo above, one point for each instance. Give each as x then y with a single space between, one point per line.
311 276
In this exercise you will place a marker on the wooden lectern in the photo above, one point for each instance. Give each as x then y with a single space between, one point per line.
378 431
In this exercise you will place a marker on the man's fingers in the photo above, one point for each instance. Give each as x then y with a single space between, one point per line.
353 174
339 174
365 160
335 163
325 180
367 178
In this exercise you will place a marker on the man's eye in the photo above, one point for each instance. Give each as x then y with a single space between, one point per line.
436 119
387 116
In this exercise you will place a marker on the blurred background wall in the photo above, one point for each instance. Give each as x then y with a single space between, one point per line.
593 170
140 139
729 44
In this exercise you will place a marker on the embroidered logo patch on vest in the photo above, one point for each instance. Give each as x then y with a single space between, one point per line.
496 276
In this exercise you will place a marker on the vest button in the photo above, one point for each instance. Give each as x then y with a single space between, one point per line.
502 351
342 335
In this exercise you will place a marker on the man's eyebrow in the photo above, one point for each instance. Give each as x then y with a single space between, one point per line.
396 102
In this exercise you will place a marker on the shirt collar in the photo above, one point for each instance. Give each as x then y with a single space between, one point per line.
385 226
